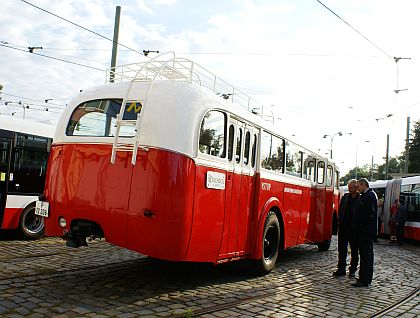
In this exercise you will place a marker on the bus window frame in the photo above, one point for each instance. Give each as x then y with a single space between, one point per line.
226 136
319 162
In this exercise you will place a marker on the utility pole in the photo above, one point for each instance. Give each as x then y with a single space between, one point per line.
371 171
115 43
386 157
407 146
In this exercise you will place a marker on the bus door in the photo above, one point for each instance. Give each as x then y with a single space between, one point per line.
5 146
320 201
247 190
241 192
233 194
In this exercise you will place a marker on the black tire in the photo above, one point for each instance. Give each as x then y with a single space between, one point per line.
270 245
31 226
324 246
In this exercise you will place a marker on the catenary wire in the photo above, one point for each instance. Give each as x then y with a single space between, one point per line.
82 27
354 29
51 57
35 100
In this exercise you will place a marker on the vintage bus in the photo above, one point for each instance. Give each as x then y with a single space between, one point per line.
390 190
170 161
24 149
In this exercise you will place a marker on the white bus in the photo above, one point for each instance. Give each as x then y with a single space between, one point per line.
391 190
24 150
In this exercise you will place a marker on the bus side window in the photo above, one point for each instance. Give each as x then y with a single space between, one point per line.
231 140
329 181
212 134
254 151
293 160
246 148
272 152
310 170
320 172
412 198
238 145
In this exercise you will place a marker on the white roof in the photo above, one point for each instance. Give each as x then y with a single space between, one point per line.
171 115
410 180
26 126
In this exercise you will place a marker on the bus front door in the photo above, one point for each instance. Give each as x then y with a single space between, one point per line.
5 145
242 188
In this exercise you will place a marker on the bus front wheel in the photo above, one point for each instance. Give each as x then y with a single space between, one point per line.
31 226
270 245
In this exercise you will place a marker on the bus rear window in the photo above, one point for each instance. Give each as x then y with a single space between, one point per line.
97 118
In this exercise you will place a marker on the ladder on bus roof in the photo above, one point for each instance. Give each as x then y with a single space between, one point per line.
149 72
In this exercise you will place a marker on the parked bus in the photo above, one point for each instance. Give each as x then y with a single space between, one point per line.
390 190
24 149
183 171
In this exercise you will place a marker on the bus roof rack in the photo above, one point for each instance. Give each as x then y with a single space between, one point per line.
185 70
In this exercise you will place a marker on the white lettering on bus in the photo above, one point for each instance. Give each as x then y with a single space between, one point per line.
215 180
294 191
265 186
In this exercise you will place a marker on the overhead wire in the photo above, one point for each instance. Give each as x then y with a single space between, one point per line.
354 29
80 26
52 57
36 100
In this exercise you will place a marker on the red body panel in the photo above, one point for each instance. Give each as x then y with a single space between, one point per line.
161 206
116 197
11 218
411 232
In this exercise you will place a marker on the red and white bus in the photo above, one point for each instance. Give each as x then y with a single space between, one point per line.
24 149
185 171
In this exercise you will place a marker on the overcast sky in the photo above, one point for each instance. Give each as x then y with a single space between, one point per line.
320 75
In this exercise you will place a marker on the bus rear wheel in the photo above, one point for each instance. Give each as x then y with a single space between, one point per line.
31 226
270 245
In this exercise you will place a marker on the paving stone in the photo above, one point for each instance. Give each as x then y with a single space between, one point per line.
106 281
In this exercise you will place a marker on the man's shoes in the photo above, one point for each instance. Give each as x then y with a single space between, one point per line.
360 284
339 273
352 274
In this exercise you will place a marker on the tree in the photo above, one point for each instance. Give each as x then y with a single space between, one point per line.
395 165
414 149
362 172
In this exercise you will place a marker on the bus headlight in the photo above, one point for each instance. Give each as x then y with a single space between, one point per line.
62 222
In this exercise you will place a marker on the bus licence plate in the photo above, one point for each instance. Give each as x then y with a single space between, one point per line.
41 208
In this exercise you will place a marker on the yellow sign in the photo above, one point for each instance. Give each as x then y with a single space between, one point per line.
2 176
136 106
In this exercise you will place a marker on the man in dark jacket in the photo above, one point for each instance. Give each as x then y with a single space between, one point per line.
345 235
365 230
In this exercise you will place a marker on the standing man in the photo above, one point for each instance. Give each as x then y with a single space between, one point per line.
345 236
365 230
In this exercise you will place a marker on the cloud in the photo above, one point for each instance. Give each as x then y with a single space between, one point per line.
312 64
165 2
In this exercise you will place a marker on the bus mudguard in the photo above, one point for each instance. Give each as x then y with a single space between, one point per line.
272 204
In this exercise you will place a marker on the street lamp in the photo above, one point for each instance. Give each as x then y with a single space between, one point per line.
357 147
331 139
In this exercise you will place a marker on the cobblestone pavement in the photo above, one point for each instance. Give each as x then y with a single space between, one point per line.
45 279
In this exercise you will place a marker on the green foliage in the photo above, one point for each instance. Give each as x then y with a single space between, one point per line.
414 149
395 164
